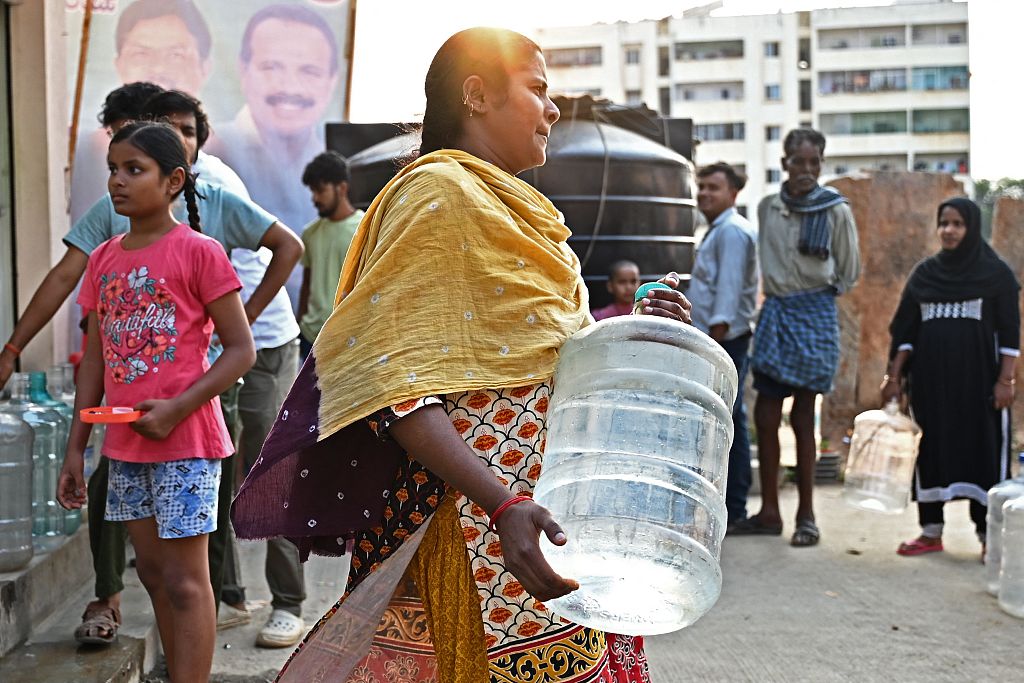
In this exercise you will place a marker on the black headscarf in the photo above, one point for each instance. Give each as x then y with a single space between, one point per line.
971 271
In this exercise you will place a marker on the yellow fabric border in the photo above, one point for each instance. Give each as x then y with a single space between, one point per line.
445 584
458 278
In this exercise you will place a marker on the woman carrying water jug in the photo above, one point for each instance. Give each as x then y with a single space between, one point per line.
955 341
415 431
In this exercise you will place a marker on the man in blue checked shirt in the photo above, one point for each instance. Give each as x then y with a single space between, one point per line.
723 291
796 343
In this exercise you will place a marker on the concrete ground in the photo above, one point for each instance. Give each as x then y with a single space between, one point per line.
847 610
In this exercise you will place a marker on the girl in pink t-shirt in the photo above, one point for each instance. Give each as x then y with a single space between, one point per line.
154 296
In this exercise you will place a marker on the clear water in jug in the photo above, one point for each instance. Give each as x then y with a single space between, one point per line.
1011 567
16 440
998 495
880 467
639 430
47 514
39 393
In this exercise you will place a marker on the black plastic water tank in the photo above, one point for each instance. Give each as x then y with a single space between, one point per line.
623 195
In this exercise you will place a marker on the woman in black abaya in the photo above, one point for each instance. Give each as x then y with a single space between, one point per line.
956 339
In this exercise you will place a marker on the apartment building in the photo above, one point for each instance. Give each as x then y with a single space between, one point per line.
887 85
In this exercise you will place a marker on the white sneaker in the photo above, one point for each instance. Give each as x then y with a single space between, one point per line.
230 617
283 629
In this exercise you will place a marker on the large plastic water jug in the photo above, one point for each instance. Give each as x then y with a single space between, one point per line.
997 497
39 393
1011 567
15 492
880 468
47 514
639 430
60 382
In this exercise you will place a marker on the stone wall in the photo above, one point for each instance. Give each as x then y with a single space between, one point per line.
896 217
1008 240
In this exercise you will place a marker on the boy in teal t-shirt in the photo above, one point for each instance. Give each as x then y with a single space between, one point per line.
326 240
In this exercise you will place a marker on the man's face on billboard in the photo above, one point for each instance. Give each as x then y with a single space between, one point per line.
288 80
162 51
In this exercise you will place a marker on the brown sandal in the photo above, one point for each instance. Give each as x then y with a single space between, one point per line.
97 620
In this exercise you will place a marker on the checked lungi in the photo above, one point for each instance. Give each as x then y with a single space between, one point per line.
796 341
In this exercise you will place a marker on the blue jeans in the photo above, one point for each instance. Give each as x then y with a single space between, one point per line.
738 484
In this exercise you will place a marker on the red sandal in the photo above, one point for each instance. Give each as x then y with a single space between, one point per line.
919 547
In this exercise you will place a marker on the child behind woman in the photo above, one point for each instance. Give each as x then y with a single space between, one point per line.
154 296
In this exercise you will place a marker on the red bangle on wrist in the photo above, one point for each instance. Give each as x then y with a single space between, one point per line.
12 348
505 506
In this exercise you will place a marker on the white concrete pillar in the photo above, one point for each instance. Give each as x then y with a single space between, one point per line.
39 122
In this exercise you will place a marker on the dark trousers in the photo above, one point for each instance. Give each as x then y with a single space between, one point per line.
304 348
265 387
738 484
931 513
107 539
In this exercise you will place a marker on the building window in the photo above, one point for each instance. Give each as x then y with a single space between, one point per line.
865 123
867 81
773 175
703 92
941 163
665 101
804 54
709 132
773 92
771 49
741 209
805 95
939 78
573 56
941 121
939 34
663 61
634 97
859 39
806 124
772 133
632 55
717 49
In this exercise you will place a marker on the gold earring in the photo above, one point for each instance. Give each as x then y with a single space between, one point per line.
465 101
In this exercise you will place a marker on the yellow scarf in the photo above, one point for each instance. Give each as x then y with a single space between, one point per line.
458 277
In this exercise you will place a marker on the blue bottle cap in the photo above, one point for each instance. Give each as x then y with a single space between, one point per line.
642 291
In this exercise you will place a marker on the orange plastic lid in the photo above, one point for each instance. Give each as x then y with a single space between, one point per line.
109 414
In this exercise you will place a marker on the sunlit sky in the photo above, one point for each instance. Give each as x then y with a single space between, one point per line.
396 39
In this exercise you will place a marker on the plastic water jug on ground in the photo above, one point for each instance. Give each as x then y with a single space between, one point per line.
639 430
1011 567
16 440
998 495
39 393
880 467
47 514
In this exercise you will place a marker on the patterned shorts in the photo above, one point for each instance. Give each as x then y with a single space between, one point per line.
180 494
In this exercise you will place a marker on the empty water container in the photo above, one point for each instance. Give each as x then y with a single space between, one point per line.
880 467
997 497
1011 568
15 492
47 514
639 430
